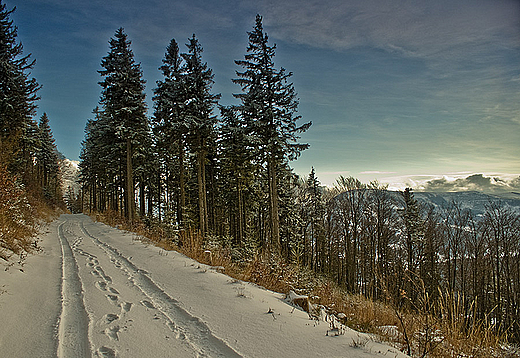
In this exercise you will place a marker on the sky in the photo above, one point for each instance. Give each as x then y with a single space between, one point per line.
411 93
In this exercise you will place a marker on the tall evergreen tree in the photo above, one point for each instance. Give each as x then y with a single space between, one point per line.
170 127
199 118
18 92
316 211
47 155
101 163
123 101
413 228
238 169
269 106
413 234
28 145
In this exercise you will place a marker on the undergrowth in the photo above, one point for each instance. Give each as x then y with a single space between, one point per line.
21 212
421 329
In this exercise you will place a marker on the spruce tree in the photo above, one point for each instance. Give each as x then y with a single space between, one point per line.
87 162
316 211
18 93
123 102
238 170
28 144
269 106
169 125
413 226
199 118
47 155
100 163
290 220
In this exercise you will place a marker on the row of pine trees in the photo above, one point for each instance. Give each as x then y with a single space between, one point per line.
27 147
224 172
29 161
223 175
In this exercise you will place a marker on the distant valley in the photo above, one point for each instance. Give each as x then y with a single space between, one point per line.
474 200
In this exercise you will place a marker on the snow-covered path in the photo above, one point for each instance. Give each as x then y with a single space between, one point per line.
96 291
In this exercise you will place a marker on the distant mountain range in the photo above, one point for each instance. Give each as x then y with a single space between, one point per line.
474 200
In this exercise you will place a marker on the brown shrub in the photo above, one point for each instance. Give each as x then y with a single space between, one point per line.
17 218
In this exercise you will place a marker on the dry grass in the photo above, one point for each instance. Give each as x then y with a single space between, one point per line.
17 219
422 330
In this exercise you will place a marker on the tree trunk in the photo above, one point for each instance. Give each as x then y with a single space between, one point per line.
159 188
129 182
240 216
204 193
202 188
182 203
274 219
150 200
141 198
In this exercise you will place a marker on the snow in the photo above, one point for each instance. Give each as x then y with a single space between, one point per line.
69 175
96 290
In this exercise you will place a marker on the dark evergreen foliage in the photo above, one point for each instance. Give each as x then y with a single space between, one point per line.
47 156
200 120
123 106
27 150
170 132
268 105
18 94
184 128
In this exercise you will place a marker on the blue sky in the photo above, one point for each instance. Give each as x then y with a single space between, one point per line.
400 91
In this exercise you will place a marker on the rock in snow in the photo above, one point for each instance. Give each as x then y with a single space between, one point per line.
299 300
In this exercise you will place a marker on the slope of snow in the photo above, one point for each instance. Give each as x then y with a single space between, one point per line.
69 175
473 200
98 291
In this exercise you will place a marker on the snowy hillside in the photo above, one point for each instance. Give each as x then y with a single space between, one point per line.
69 174
96 291
474 200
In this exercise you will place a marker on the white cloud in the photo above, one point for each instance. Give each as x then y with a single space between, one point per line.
488 183
376 172
422 28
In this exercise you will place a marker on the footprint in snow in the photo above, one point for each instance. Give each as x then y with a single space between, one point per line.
113 290
111 332
109 318
147 304
125 306
112 298
102 285
106 352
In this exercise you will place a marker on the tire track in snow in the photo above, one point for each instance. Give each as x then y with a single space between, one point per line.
187 327
73 325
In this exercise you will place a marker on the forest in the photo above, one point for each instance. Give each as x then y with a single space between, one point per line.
29 160
227 176
223 173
